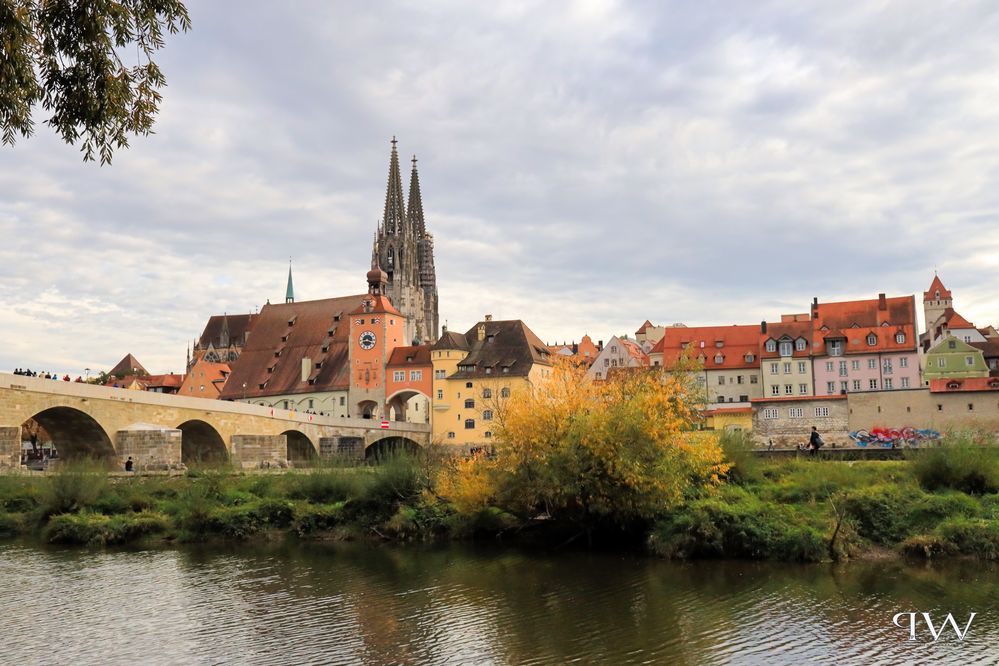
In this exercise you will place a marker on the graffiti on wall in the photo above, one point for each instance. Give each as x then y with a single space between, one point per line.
892 437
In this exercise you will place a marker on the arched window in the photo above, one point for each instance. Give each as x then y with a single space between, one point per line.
469 404
390 259
771 346
487 415
487 393
900 338
504 392
786 348
719 359
872 340
469 424
799 344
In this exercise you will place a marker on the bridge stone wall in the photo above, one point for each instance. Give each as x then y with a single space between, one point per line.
149 449
117 411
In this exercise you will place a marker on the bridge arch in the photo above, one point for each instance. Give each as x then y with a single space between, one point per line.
367 409
200 442
389 446
75 434
398 407
300 447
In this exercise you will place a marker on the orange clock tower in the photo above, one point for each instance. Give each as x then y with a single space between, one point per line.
376 328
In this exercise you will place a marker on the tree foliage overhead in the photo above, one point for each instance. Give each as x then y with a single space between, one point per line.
593 453
87 62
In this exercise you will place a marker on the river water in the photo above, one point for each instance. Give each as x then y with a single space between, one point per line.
372 604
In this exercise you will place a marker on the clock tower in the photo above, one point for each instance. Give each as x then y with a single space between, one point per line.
376 328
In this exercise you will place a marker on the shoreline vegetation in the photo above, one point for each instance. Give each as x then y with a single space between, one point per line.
939 502
616 464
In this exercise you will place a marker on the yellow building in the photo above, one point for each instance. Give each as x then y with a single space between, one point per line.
729 418
476 371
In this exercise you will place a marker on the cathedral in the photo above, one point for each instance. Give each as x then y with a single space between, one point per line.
404 249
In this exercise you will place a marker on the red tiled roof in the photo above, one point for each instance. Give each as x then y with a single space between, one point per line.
644 327
855 320
728 410
635 351
954 320
936 285
737 341
966 384
800 398
412 355
792 329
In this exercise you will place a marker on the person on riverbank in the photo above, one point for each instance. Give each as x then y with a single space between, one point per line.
814 441
129 465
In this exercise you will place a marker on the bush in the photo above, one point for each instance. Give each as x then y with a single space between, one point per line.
972 536
327 485
880 513
963 462
275 512
95 529
12 524
927 546
736 526
312 519
737 448
72 490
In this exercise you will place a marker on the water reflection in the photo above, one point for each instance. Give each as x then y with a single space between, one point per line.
356 603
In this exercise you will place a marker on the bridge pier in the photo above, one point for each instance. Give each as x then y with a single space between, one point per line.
10 447
256 451
149 448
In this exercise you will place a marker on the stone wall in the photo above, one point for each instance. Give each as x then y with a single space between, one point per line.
790 430
149 449
10 447
921 409
259 451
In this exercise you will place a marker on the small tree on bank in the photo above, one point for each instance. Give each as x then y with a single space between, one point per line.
592 453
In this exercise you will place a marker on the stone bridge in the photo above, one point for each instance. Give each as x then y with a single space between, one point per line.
157 430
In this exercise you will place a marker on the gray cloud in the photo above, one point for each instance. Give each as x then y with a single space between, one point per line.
585 166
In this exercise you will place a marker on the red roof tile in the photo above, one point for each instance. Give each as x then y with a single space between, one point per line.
935 286
854 321
966 384
736 342
412 355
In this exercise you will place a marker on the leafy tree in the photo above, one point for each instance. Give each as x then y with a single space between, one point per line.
592 453
70 56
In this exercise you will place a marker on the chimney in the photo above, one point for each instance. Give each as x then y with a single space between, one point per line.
763 327
600 345
306 369
882 302
489 317
815 307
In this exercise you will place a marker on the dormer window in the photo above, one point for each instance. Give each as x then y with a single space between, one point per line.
785 348
683 345
719 343
800 344
719 359
835 347
871 339
771 346
900 338
937 294
750 358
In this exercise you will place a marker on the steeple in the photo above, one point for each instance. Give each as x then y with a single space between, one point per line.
224 333
414 211
289 295
393 220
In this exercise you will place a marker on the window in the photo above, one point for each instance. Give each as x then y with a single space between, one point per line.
613 362
799 344
753 379
941 362
802 389
903 362
399 375
872 340
440 394
796 413
450 435
843 387
872 364
787 368
822 411
967 338
487 393
856 384
310 401
343 401
788 389
469 424
835 347
738 380
951 344
842 368
802 368
785 347
969 360
775 389
606 362
971 407
873 385
900 338
487 415
440 374
504 392
613 349
829 366
719 359
905 382
721 380
830 387
469 403
771 346
415 375
771 413
488 434
468 384
743 398
774 368
886 385
855 365
750 358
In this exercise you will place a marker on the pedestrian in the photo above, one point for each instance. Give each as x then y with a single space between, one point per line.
128 464
814 441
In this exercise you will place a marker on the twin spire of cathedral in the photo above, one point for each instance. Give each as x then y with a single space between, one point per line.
399 219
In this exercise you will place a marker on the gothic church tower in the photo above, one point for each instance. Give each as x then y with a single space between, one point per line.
405 251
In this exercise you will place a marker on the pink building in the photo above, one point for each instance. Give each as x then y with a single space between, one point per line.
869 345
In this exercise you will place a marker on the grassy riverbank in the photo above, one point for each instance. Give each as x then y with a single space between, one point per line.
940 502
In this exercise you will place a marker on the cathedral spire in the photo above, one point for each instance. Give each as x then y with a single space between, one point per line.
289 294
395 212
415 208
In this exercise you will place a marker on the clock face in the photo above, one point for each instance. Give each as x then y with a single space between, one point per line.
367 340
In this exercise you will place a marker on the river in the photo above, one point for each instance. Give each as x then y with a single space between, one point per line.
371 604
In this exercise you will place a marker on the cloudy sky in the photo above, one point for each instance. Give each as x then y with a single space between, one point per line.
585 166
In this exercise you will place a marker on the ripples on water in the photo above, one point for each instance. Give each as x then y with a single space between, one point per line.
353 603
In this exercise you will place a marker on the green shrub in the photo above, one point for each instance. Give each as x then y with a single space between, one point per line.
927 546
276 512
312 519
73 489
327 485
737 447
880 513
95 529
963 462
12 524
972 536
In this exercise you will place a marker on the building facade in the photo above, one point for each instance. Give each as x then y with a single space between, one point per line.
952 358
786 358
617 353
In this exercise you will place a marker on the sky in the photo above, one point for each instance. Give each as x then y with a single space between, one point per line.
584 166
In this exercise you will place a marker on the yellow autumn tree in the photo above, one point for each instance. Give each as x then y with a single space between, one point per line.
592 452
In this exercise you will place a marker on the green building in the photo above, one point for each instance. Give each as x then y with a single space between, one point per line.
953 358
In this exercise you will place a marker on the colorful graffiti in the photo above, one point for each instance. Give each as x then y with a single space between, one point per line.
893 437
